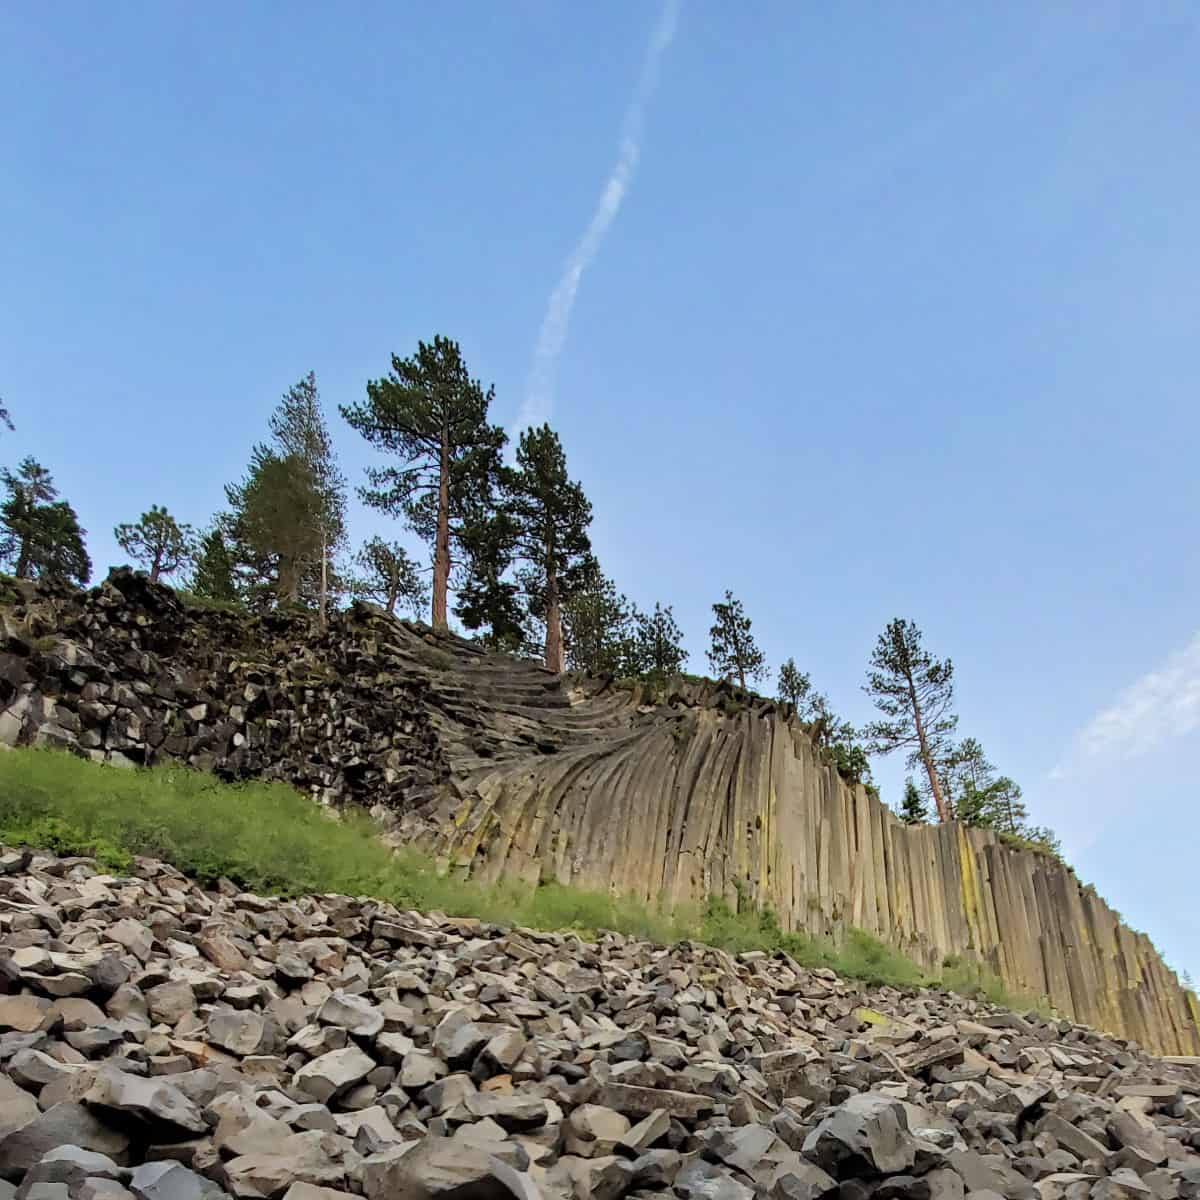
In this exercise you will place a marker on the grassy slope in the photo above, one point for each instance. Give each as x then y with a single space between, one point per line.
270 839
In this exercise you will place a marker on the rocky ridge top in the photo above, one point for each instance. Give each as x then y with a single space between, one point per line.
371 710
164 1041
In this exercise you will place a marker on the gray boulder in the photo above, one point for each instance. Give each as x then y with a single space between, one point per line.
171 1181
867 1134
332 1074
437 1167
67 1124
117 1095
356 1015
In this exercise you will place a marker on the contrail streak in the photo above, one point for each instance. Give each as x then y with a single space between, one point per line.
540 396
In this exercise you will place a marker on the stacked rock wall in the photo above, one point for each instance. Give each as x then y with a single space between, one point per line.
126 674
505 771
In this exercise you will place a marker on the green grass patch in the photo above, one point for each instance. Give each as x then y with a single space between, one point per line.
271 839
268 838
861 956
207 603
433 658
972 979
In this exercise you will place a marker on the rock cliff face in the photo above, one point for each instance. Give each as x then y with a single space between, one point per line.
503 770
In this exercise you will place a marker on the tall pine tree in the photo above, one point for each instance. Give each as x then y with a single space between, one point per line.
287 517
431 414
299 432
914 691
733 653
41 537
550 517
275 526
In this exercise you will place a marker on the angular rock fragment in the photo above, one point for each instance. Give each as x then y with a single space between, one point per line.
118 1095
332 1074
60 1125
356 1015
867 1132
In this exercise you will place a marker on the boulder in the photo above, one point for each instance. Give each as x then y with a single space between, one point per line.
327 1077
866 1133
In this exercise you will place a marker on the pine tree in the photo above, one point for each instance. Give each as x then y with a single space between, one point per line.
656 651
965 773
979 797
550 516
433 415
850 758
42 537
597 626
976 794
912 808
389 577
837 738
212 575
5 418
824 725
794 686
914 691
30 491
287 516
1041 838
488 602
158 542
299 431
275 525
733 652
1009 814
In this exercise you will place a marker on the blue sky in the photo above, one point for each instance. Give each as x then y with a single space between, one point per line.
894 313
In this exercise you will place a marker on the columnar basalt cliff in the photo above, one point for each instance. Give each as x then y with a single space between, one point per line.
503 770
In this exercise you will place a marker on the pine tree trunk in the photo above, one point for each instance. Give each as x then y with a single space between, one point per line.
393 594
935 784
288 585
441 552
554 642
22 570
324 575
156 566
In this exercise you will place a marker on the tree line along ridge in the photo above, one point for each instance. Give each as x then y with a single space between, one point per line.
510 543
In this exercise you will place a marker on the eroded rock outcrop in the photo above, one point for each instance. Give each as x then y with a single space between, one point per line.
503 770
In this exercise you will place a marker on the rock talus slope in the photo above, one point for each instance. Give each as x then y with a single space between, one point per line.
503 770
161 1041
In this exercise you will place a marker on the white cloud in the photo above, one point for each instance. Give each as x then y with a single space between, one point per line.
1162 705
539 398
